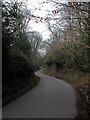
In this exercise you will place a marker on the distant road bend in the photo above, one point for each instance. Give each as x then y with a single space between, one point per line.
51 98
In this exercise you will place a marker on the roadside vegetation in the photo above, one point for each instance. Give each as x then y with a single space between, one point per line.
19 51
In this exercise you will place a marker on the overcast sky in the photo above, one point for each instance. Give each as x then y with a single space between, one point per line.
42 12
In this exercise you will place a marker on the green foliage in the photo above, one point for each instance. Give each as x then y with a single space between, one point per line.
17 63
21 66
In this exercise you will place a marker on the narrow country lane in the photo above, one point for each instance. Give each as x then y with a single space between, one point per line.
51 98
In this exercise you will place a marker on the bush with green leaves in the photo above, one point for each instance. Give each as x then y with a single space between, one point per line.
17 64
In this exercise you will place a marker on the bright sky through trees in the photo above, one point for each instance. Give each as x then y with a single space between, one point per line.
42 11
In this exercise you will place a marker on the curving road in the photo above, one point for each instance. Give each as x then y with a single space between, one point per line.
51 98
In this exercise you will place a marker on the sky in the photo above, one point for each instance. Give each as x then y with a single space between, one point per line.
40 27
42 12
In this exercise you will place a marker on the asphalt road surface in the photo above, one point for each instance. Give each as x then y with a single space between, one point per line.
51 98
